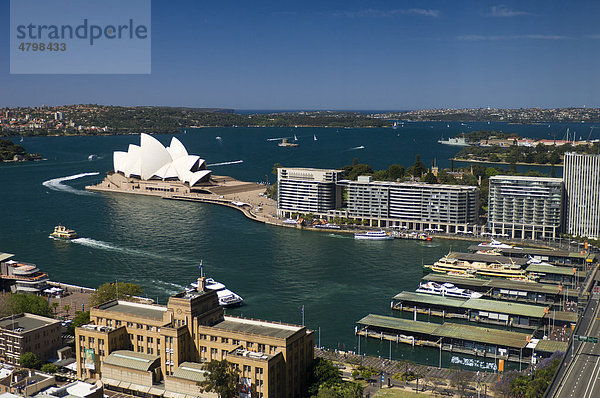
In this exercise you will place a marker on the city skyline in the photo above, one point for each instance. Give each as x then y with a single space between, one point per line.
340 55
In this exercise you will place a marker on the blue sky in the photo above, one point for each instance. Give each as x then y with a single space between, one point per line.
309 54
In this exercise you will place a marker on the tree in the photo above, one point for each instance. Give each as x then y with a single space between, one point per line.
108 291
81 318
419 167
49 368
430 179
460 379
395 172
54 307
342 390
29 360
323 373
23 302
222 379
67 308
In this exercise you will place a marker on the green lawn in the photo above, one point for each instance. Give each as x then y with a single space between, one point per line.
396 393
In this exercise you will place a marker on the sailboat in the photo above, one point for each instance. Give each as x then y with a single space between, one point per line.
21 139
295 138
395 125
314 137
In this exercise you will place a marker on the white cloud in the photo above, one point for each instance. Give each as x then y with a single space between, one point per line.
388 13
501 11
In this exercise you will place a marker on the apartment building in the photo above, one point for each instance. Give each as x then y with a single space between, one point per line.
305 190
142 345
581 174
28 333
525 207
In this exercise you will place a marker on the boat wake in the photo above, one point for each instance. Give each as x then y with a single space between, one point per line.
356 148
56 184
98 244
276 138
225 163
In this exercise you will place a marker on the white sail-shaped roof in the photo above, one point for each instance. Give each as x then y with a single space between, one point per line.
152 160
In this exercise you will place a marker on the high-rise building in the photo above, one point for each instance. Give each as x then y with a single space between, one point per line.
525 207
582 185
58 116
302 190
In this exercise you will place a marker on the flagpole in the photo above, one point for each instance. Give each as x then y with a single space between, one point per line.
302 315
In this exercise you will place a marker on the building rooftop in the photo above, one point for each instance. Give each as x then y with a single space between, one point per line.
408 184
5 256
527 178
135 309
251 326
133 360
525 251
26 322
190 371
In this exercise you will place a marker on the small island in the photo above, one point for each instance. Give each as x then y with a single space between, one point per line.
11 152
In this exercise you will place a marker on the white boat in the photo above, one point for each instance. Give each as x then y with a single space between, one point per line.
446 289
290 221
495 244
314 137
93 156
227 298
295 138
373 235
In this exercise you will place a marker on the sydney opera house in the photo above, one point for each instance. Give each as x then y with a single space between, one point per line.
152 161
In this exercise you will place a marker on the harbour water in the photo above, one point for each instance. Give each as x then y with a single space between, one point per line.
159 243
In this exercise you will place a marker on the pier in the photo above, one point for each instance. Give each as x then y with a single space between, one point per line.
452 337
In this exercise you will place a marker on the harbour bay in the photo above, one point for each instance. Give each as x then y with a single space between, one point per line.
159 243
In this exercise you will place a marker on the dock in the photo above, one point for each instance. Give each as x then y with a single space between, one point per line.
453 337
561 257
525 316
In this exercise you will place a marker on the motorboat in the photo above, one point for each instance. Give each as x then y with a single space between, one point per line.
447 289
373 235
227 298
495 244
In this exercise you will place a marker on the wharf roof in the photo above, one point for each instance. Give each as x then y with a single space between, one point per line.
483 335
564 316
537 252
5 256
487 258
252 326
456 280
551 269
448 330
388 322
432 299
551 346
190 371
523 286
132 360
501 283
26 321
135 309
506 307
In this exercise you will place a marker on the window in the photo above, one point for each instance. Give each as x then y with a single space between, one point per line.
247 368
150 340
224 340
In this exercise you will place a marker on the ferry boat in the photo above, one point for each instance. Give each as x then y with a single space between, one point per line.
449 264
412 236
373 235
446 289
61 232
227 298
495 244
458 141
285 143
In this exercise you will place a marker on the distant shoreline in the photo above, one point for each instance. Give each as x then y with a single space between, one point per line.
517 163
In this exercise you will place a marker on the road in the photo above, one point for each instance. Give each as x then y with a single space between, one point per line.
582 376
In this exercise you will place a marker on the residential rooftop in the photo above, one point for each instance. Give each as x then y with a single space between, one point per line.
190 371
132 360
